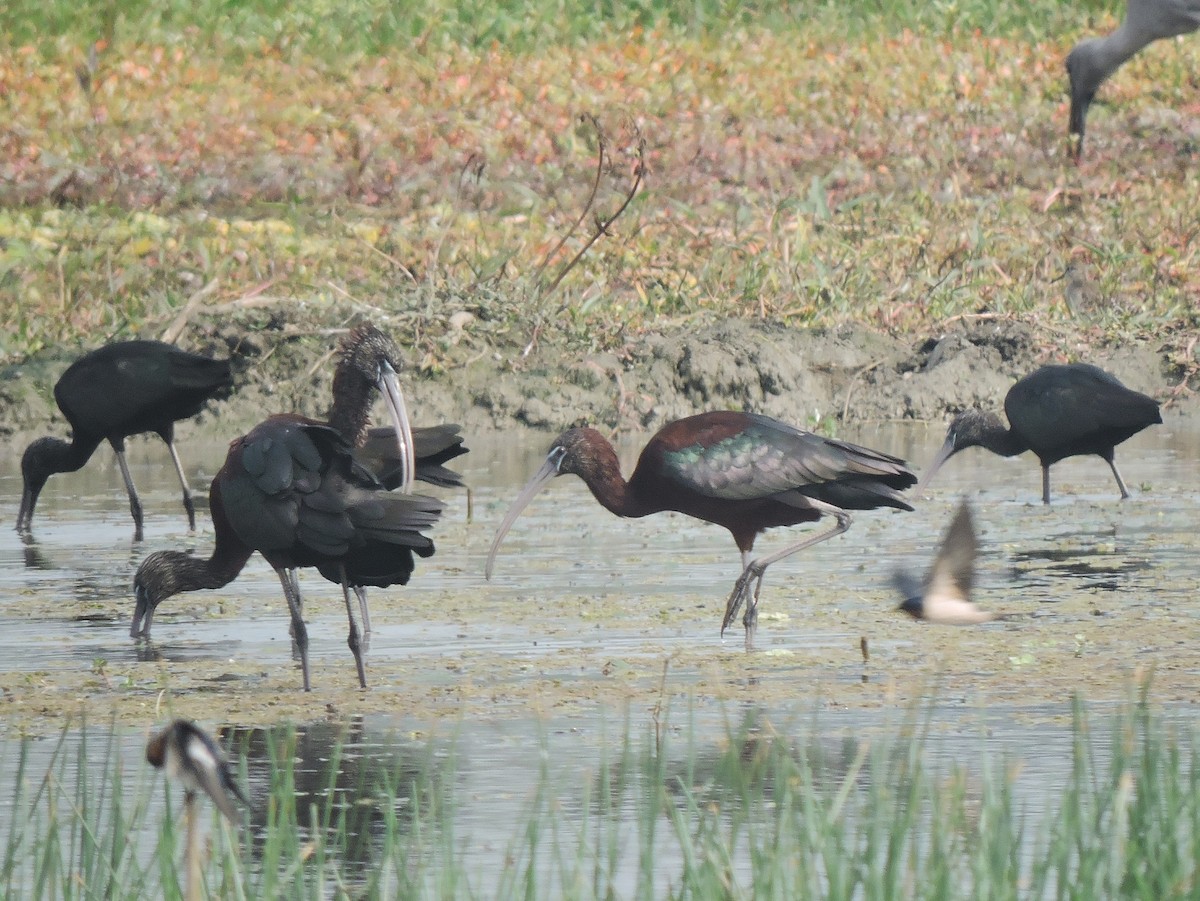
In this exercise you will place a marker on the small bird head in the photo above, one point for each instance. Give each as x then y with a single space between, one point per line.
369 360
156 580
970 428
37 465
567 455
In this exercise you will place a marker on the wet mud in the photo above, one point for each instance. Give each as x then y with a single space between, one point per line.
588 612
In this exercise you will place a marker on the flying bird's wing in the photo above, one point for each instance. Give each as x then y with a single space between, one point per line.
945 597
953 572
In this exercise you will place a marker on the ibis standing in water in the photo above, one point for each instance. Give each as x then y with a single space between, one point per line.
293 489
116 391
1094 59
368 360
1056 412
743 471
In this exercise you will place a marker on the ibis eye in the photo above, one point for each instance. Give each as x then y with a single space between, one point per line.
556 456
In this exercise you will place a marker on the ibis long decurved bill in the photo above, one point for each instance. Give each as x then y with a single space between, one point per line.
389 387
945 453
548 471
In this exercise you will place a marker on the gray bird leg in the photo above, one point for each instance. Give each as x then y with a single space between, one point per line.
1112 464
753 573
353 639
135 504
187 495
291 591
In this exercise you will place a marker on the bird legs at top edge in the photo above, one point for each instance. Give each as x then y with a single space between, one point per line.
354 640
753 572
291 591
188 505
135 503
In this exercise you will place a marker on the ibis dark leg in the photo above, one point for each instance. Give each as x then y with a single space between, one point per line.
291 591
1045 483
361 594
753 573
353 640
135 504
1112 464
187 495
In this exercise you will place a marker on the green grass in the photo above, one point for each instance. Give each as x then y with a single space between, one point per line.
897 165
761 814
336 31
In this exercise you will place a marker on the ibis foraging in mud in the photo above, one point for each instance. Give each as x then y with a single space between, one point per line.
1056 412
111 393
742 471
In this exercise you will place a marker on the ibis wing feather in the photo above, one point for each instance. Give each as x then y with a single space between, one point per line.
768 457
1062 405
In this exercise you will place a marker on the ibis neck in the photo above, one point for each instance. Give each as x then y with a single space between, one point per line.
608 486
63 456
351 410
1002 441
227 560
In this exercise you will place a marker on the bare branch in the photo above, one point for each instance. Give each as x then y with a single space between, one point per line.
603 225
601 153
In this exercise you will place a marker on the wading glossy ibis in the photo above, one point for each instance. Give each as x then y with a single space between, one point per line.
1056 412
368 360
1094 59
743 471
116 391
945 595
293 491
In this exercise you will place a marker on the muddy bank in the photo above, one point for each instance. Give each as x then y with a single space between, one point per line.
811 377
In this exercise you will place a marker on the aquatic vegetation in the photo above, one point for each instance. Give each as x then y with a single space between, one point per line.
665 812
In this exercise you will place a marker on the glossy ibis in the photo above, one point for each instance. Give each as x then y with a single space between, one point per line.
1094 59
188 754
743 471
1056 412
293 491
945 595
116 391
368 360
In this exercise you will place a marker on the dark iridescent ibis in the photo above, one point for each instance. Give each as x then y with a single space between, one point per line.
368 360
1056 412
189 755
116 391
293 491
742 471
945 594
1095 59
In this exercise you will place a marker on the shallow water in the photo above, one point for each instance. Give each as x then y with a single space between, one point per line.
590 618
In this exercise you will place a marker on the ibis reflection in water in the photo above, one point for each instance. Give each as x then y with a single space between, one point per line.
743 471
